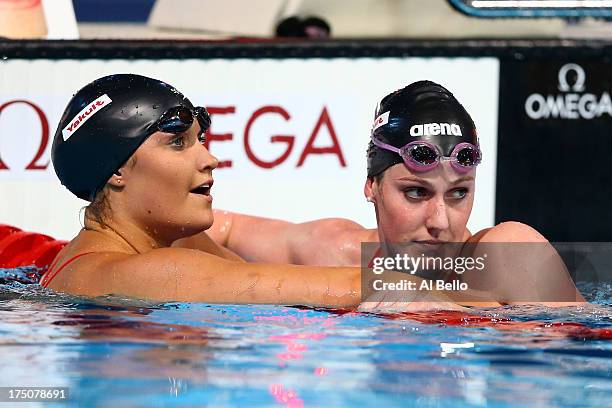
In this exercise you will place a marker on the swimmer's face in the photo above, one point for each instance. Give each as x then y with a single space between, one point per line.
162 184
429 206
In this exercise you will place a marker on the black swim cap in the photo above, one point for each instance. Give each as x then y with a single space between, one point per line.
423 110
104 124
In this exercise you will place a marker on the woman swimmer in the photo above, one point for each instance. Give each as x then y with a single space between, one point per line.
132 146
422 160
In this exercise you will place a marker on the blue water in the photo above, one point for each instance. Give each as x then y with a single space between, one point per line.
118 352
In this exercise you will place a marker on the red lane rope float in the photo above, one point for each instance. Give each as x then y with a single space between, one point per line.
41 256
21 248
6 230
544 330
572 330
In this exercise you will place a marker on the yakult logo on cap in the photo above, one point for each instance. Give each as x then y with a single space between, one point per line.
84 115
434 129
381 120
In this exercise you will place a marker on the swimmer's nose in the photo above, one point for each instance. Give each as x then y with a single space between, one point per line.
207 161
437 216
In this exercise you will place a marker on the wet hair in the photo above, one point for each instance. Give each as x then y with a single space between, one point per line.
99 210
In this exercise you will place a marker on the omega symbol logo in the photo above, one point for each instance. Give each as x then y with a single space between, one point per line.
580 77
36 163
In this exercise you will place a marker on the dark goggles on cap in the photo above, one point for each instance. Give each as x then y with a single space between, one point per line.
423 156
180 118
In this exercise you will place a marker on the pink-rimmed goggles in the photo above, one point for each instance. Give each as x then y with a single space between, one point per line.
423 156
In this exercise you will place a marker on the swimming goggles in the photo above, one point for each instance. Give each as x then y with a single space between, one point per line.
180 118
423 156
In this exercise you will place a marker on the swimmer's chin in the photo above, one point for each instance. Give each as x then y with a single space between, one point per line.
194 229
430 242
429 246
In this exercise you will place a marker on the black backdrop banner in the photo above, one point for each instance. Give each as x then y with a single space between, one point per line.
554 169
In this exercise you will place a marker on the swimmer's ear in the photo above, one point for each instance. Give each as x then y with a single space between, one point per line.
370 189
116 180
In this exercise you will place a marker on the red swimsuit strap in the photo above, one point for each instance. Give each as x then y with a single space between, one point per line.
50 274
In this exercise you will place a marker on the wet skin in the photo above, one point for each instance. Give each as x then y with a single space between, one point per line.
429 208
432 206
168 208
160 196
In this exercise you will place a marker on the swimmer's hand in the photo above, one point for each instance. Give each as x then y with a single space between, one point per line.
418 301
384 306
396 301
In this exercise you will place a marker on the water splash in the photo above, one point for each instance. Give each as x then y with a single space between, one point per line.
23 274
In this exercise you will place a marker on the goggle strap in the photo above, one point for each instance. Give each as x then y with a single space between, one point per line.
383 145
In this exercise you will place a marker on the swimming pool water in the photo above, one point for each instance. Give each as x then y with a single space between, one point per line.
118 352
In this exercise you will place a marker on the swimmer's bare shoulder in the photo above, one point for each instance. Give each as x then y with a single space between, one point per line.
517 276
180 274
512 231
331 241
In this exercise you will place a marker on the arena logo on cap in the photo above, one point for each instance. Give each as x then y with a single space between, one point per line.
84 115
435 129
573 103
381 120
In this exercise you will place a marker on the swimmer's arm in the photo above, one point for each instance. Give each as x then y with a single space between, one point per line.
177 274
256 239
332 241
